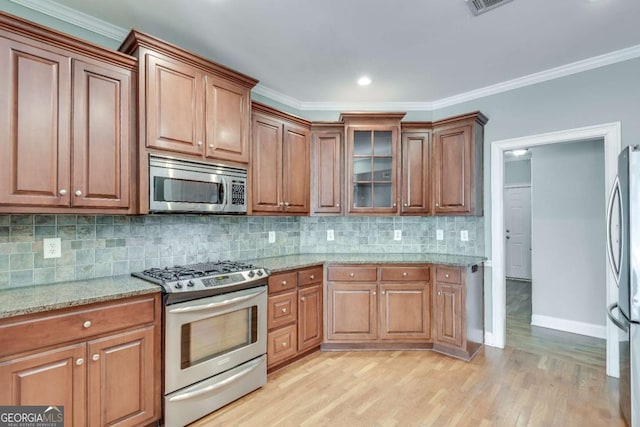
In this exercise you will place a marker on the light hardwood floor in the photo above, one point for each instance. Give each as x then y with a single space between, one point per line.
540 379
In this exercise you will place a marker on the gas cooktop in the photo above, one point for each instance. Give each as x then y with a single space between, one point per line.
209 277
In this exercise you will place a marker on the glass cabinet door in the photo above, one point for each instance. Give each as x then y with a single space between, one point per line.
373 174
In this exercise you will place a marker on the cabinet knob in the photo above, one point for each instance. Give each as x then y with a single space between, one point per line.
95 357
284 344
78 193
286 203
437 204
337 205
63 192
394 205
405 274
199 143
281 204
79 361
438 293
284 310
380 292
86 324
373 293
312 277
210 145
446 275
284 283
352 274
301 298
405 205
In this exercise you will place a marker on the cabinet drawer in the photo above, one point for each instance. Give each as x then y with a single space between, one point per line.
352 274
282 309
310 276
58 327
281 345
448 275
405 274
282 282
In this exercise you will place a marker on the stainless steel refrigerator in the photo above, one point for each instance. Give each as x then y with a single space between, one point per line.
623 241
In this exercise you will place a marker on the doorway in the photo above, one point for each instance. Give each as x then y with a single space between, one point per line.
611 134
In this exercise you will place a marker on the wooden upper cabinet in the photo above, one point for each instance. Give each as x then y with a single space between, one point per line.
372 165
416 173
458 145
65 113
35 120
228 108
175 102
101 130
326 182
280 162
192 105
295 169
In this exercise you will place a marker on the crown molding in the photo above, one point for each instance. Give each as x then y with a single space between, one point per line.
88 22
520 82
75 17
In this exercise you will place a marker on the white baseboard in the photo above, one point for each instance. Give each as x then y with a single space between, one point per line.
488 339
588 329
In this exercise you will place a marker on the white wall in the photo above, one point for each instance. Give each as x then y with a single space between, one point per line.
568 237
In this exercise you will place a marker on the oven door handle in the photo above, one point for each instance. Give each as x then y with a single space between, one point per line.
213 387
209 306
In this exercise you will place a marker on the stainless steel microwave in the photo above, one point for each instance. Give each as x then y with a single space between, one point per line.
177 185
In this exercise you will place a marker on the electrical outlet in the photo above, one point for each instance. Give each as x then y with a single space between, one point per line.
330 235
464 235
439 235
52 248
397 234
272 237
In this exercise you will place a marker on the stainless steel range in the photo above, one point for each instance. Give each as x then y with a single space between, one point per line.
215 339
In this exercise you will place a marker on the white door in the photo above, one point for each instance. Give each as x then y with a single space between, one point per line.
517 232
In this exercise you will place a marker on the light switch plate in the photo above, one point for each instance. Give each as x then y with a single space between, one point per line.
397 234
464 235
52 248
330 235
439 235
272 237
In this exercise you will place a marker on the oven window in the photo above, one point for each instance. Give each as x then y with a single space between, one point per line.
214 336
187 191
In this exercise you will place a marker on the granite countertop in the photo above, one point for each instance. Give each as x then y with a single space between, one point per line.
289 262
34 299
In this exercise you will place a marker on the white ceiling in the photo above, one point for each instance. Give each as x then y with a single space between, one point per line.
414 50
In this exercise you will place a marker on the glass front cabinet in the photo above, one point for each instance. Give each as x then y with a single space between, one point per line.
372 162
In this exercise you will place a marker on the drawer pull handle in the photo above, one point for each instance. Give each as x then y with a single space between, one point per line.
352 274
86 324
284 283
446 275
312 277
95 357
79 361
405 274
284 310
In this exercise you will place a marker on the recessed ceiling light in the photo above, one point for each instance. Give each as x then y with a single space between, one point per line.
364 81
520 152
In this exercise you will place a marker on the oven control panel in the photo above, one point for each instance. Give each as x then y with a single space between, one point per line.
220 280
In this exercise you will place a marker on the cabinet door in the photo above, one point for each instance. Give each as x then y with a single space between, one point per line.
266 164
352 312
227 120
372 180
295 169
53 378
121 385
101 136
35 106
416 182
309 317
453 170
327 150
405 311
175 106
449 314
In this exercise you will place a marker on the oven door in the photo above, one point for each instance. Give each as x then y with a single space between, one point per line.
207 336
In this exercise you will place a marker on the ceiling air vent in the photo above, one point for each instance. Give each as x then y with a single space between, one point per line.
482 6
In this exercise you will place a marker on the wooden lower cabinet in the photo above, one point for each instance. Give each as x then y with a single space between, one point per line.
405 311
294 315
100 362
353 312
449 314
